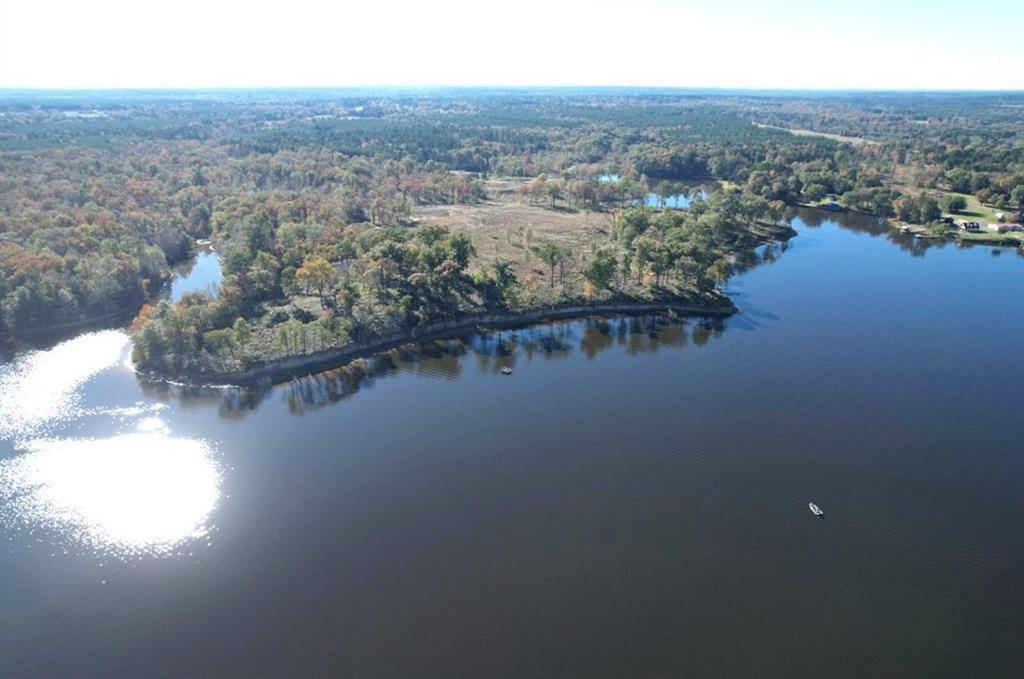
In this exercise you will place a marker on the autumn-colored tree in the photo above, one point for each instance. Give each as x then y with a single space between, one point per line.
317 275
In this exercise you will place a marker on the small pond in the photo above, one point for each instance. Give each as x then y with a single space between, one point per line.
200 274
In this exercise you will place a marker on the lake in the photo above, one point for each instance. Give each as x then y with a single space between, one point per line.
631 501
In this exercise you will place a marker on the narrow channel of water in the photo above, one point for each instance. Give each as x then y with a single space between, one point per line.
202 273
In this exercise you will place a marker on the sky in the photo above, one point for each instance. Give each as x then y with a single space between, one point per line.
790 44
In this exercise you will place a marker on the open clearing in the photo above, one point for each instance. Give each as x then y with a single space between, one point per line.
507 225
825 135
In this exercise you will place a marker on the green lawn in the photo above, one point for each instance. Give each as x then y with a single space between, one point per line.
991 237
974 211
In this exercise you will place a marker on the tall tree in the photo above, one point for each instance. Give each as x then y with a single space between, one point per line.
318 275
550 254
600 268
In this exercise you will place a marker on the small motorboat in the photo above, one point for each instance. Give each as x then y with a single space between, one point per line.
506 370
815 509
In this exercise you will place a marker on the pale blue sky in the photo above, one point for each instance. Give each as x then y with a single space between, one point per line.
739 43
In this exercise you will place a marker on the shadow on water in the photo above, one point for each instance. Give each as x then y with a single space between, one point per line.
446 359
492 351
766 254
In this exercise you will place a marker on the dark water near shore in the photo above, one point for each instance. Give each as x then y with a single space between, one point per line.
631 501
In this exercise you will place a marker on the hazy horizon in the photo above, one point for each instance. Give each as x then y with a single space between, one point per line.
691 44
430 87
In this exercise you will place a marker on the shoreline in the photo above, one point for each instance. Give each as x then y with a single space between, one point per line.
277 370
58 332
985 237
286 368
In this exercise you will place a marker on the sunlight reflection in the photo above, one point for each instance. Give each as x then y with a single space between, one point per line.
133 494
41 387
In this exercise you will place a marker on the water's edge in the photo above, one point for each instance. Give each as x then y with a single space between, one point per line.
281 370
285 368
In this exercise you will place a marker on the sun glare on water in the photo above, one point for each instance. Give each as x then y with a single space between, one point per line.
133 494
41 388
137 493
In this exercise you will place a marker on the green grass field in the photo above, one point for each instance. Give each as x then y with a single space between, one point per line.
974 210
990 237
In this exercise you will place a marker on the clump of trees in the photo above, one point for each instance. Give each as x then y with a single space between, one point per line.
688 249
954 203
366 282
919 209
299 287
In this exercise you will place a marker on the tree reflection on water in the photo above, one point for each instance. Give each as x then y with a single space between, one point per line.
491 350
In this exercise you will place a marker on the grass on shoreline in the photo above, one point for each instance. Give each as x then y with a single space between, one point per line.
975 210
991 237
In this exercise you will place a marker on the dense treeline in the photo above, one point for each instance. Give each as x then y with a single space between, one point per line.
101 194
963 143
89 233
85 232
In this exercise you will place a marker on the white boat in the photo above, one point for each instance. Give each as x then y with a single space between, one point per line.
506 371
815 509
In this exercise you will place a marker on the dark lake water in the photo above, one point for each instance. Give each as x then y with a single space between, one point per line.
631 501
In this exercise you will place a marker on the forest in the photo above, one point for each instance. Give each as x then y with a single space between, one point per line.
322 204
